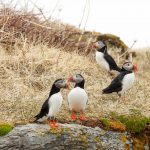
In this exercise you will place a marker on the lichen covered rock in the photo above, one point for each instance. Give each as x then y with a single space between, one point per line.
68 136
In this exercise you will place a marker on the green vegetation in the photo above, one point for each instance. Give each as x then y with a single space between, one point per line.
112 124
105 122
5 128
134 122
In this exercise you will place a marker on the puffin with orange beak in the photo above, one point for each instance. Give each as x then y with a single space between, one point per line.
52 104
77 97
123 81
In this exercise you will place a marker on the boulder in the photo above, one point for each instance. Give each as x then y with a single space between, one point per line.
66 137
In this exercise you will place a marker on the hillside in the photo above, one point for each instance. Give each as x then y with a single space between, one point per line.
27 75
33 53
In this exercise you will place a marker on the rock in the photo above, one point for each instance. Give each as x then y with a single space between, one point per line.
68 136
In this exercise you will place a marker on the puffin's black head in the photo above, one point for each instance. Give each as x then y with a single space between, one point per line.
57 85
60 83
128 66
78 79
101 46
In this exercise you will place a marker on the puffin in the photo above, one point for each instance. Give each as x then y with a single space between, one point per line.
123 81
77 97
104 59
52 104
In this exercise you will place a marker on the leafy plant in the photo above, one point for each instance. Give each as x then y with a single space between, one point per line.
105 122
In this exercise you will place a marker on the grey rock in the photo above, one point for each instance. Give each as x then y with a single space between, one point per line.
67 137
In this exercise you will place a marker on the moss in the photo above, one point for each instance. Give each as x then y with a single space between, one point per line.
134 122
117 126
5 128
105 122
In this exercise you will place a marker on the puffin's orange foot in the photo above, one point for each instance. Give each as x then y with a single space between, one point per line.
53 124
82 117
73 117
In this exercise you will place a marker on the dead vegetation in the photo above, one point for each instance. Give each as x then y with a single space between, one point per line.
34 53
19 27
26 80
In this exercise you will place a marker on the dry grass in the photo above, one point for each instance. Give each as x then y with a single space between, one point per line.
20 26
27 75
33 53
17 27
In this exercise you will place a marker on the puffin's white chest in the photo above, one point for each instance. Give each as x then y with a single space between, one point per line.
128 81
55 103
77 99
101 60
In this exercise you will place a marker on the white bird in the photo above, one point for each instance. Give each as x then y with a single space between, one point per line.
77 98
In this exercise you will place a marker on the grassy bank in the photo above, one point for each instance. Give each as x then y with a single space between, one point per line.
27 74
33 53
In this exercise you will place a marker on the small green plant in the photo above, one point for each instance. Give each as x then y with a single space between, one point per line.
135 122
5 128
105 122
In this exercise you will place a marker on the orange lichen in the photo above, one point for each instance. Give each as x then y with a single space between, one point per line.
118 126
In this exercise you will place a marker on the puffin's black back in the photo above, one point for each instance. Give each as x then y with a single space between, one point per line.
109 59
116 84
111 62
81 84
45 106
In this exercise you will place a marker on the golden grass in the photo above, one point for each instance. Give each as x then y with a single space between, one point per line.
34 52
26 77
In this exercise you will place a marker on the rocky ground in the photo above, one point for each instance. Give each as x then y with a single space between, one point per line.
68 136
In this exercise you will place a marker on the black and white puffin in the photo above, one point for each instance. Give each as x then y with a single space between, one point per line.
77 97
104 59
52 104
123 81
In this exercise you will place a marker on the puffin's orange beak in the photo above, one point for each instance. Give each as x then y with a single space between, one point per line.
69 79
135 68
95 45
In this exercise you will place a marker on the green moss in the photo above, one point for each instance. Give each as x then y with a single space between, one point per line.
135 122
5 128
105 122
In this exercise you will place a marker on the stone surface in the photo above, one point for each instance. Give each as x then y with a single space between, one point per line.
67 137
